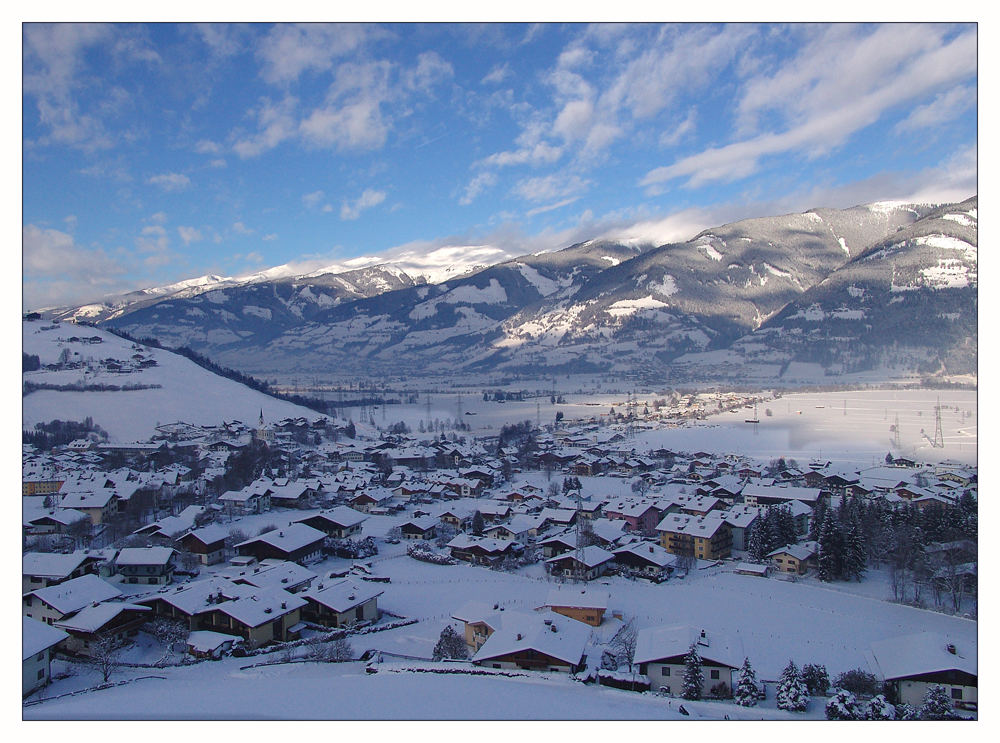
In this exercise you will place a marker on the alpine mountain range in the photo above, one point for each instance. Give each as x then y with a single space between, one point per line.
887 289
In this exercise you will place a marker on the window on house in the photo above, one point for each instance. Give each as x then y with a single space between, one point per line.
956 693
664 671
41 673
714 675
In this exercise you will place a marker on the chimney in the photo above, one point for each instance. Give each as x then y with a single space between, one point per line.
267 609
548 622
553 628
951 649
284 605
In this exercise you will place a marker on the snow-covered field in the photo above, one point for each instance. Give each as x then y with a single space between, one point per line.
188 393
802 426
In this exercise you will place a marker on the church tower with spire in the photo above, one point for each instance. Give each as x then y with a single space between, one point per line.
263 432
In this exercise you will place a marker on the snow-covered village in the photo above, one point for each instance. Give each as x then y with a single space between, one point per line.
584 564
417 372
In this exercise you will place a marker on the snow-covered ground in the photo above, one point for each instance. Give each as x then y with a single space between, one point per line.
309 691
801 426
187 393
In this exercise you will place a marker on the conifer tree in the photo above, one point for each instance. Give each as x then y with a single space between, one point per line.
937 705
843 705
830 552
450 645
746 693
694 680
855 558
791 693
756 543
879 708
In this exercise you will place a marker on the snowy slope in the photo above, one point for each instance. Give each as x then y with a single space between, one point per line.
186 393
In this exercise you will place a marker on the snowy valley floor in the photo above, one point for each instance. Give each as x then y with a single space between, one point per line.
775 620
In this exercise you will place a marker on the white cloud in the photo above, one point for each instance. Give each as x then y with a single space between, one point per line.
207 147
828 127
356 126
476 186
368 199
946 107
189 234
275 124
312 200
270 237
575 119
674 136
47 252
546 188
288 50
497 75
431 69
551 207
241 229
170 181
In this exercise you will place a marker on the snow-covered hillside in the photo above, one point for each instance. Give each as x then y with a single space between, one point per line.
177 388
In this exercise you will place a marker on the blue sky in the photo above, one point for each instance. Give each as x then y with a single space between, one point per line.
158 152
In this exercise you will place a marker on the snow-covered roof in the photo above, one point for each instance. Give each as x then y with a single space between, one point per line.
657 643
263 605
654 553
465 541
208 534
92 618
37 636
782 492
51 564
924 652
578 598
205 641
76 593
800 551
343 595
288 538
591 556
554 635
144 556
282 574
741 516
343 516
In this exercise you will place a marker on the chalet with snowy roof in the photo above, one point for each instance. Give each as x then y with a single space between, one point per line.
37 641
660 653
146 565
171 526
371 498
740 518
480 621
704 537
284 574
912 664
482 550
41 484
99 505
558 544
536 642
38 520
795 558
583 564
458 515
341 603
207 543
58 602
267 615
764 495
932 500
639 516
296 542
646 559
113 619
341 522
581 604
246 501
421 527
558 516
521 528
43 569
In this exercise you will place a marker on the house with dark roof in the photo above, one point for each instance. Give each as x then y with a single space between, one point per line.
296 542
912 664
